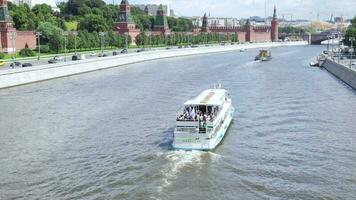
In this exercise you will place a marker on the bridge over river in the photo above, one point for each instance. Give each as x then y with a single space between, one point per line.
314 38
107 134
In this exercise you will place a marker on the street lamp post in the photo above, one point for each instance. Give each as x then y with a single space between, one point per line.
75 33
351 39
126 42
38 35
65 33
339 51
13 38
101 41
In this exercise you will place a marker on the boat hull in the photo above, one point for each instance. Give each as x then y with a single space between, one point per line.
207 144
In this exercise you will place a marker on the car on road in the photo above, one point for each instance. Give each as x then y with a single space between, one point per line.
15 64
140 50
51 61
124 51
58 58
102 55
2 62
26 65
92 54
78 57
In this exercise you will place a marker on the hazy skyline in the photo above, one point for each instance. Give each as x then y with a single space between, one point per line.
306 9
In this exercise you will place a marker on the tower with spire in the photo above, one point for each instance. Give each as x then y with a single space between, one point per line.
161 24
7 31
125 23
274 26
205 24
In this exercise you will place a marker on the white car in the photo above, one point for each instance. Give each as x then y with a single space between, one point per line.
57 58
92 54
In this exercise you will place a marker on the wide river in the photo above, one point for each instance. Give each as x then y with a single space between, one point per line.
108 134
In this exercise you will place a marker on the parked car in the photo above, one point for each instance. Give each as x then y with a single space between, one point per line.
14 64
114 53
124 51
180 46
26 65
2 62
92 54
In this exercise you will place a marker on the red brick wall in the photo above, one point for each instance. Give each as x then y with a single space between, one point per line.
260 36
25 37
242 36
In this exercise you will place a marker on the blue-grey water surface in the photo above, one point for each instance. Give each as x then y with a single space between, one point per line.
108 134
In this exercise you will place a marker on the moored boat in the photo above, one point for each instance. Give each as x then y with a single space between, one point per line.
203 121
264 55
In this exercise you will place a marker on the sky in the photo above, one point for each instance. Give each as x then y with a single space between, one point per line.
300 9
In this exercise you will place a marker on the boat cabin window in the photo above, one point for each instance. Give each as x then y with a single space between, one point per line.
199 113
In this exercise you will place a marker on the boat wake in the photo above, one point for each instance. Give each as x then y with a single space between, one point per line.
180 160
249 64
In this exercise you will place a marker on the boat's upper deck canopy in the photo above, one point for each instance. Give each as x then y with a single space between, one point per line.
210 97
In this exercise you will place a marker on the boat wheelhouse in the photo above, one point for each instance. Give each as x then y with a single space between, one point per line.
203 121
264 55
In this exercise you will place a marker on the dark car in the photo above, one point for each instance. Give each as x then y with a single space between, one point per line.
51 61
140 50
102 55
26 65
15 64
75 57
124 51
114 53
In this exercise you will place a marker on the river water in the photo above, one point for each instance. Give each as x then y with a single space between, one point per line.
108 134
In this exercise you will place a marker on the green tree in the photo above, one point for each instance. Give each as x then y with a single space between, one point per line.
23 18
350 32
51 35
141 39
93 23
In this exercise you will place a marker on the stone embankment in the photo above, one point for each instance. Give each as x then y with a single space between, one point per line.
20 76
342 72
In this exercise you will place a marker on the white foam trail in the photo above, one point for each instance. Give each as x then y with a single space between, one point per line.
248 64
177 160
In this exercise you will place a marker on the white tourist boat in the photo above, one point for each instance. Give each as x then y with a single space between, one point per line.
202 122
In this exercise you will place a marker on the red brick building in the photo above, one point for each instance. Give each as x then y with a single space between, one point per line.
247 32
125 23
11 39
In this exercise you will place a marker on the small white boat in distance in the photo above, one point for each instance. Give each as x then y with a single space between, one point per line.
202 122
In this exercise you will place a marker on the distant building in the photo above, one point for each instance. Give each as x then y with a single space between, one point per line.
246 32
216 21
125 23
11 39
32 3
151 9
161 24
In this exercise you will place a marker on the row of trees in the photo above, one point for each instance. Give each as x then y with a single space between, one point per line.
88 17
55 38
144 39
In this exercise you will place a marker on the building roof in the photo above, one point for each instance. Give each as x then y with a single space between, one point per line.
210 97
